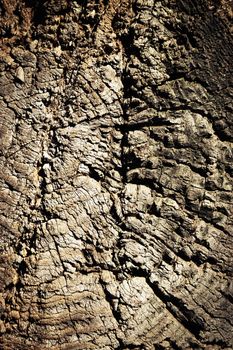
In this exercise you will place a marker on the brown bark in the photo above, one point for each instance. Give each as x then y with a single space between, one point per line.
116 174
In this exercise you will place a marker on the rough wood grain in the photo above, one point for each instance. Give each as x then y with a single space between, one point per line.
116 175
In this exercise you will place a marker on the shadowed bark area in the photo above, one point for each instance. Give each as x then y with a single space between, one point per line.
116 174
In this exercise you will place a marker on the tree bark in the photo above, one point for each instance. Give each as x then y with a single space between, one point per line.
116 174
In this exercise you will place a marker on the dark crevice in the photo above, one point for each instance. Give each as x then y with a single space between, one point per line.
115 215
124 164
39 10
228 296
151 183
174 345
194 323
125 346
153 122
223 134
94 174
23 267
113 303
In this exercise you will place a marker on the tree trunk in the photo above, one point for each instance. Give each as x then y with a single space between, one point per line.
116 174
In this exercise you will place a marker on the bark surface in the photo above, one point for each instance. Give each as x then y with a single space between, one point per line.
116 174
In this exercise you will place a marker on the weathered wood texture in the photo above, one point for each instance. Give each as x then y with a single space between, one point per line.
116 174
